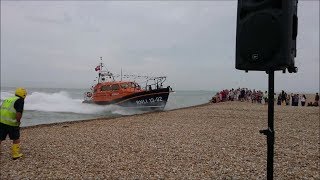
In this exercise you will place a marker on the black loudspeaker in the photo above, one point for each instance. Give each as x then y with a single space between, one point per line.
266 35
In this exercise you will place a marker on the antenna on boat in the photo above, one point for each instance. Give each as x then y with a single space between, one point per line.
100 64
100 69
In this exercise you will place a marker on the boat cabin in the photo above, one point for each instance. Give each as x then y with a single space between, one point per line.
108 91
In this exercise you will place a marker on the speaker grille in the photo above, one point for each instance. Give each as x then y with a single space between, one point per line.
260 36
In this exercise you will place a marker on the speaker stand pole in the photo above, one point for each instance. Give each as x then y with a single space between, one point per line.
270 131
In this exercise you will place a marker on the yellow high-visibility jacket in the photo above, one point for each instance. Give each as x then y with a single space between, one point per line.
8 113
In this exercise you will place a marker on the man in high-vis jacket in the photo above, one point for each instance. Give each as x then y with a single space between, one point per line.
10 115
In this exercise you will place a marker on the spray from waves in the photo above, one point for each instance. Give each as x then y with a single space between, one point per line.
5 94
62 102
59 102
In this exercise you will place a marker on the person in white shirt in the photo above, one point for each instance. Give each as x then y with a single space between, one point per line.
265 97
303 100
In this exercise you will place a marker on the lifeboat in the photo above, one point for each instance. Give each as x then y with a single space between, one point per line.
147 95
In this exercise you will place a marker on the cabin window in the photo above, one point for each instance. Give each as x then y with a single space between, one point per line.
115 87
124 85
105 88
131 85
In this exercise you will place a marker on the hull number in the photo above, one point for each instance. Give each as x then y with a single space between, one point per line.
150 100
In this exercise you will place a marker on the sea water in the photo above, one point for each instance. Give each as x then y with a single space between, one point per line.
52 105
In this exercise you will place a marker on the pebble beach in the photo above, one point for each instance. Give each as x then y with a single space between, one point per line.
211 141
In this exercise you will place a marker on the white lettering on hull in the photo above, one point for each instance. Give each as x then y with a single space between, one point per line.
150 100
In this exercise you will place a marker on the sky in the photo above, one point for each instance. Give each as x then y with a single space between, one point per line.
57 44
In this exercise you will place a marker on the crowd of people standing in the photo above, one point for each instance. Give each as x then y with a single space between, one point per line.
240 94
294 99
258 96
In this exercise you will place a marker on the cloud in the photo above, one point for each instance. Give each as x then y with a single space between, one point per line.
191 42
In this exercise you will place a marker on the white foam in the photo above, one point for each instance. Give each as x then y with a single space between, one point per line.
5 94
62 102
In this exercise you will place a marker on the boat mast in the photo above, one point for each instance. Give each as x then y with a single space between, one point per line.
100 69
100 65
